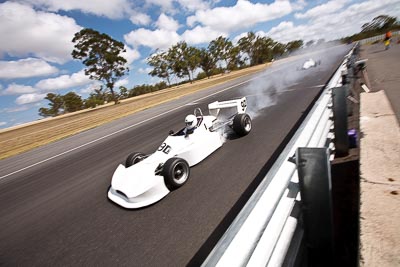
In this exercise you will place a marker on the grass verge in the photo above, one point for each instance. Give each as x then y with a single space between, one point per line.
19 139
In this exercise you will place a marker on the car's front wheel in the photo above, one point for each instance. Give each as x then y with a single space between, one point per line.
176 172
134 158
242 124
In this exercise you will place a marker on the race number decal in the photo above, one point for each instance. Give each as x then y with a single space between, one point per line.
164 148
243 104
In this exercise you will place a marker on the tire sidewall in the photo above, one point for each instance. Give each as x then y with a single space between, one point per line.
240 122
169 172
134 158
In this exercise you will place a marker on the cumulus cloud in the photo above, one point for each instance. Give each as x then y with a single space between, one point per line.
29 98
170 6
140 18
130 54
193 5
240 16
159 38
25 68
324 9
64 81
2 123
49 34
335 25
111 8
17 89
200 35
167 23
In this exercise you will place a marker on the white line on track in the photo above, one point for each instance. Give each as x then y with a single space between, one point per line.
126 128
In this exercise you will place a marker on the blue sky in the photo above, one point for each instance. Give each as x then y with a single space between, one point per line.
35 50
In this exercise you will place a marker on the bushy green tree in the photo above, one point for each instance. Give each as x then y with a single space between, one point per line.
72 102
102 57
56 106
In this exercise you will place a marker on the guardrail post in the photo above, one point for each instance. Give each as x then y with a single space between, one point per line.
316 199
339 95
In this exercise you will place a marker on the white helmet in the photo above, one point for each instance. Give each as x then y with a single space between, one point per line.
190 121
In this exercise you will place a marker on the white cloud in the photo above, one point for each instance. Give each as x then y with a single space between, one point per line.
193 5
110 8
167 23
140 18
17 89
243 15
28 32
201 35
121 82
2 123
161 39
25 68
64 81
90 88
335 25
324 9
29 98
130 55
170 6
165 5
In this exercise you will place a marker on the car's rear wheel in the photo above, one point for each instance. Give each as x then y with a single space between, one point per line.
134 158
176 172
242 124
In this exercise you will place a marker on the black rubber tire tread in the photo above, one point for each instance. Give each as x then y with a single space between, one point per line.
169 169
133 158
239 124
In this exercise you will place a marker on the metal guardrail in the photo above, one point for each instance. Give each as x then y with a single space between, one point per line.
262 232
376 38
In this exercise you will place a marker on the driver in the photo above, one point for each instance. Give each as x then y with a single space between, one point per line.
190 122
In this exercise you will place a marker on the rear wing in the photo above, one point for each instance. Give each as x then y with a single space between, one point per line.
239 104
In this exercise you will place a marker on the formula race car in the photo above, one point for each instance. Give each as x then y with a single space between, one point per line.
146 179
309 64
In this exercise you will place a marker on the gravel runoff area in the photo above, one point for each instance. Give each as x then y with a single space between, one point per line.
380 158
25 137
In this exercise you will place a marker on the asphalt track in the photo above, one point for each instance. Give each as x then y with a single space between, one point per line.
54 209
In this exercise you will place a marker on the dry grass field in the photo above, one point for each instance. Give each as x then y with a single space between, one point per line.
25 137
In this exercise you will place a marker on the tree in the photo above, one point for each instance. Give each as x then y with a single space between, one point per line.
382 22
278 49
207 62
72 102
246 45
185 59
56 106
101 54
162 66
220 49
123 92
294 45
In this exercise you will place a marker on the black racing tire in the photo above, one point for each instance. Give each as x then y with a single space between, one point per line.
176 172
242 124
134 158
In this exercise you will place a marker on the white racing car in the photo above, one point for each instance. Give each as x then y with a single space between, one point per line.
146 179
310 63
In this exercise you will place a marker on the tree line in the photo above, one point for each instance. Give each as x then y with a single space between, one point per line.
379 25
182 60
102 56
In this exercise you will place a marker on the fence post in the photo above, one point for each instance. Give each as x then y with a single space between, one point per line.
316 200
341 141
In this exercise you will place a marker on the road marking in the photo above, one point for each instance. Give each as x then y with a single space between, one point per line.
126 128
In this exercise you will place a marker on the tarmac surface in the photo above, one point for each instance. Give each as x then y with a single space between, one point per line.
380 158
